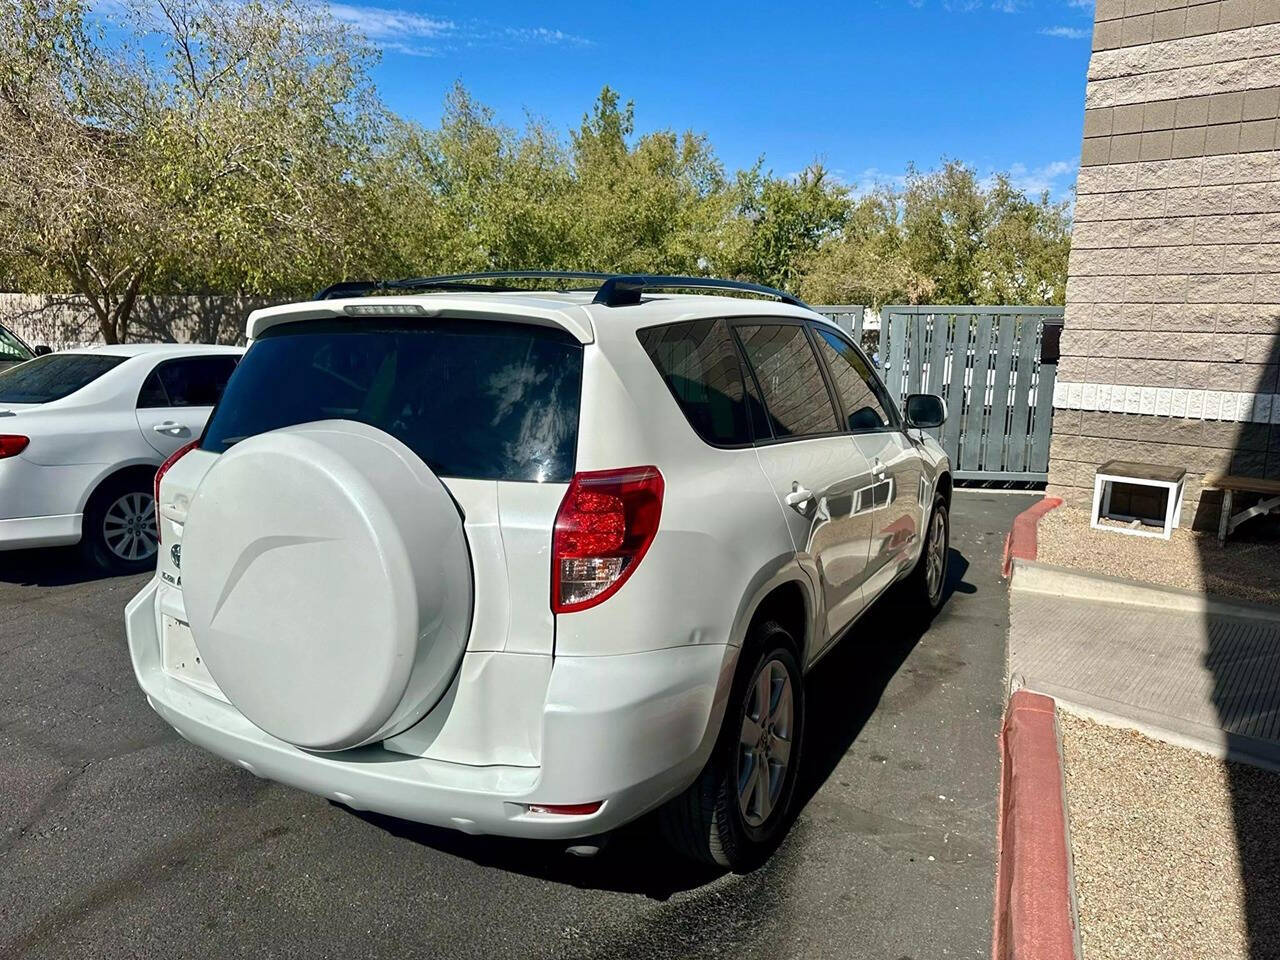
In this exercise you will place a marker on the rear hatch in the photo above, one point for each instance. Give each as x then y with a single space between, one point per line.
491 406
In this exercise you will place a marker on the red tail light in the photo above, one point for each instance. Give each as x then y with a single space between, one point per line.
164 468
605 524
11 445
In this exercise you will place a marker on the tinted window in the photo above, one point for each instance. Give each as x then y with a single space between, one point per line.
12 349
53 376
794 391
485 400
191 382
700 365
863 407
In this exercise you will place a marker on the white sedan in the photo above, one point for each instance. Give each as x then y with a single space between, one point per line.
82 433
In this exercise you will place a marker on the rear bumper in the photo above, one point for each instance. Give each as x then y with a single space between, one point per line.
630 730
21 533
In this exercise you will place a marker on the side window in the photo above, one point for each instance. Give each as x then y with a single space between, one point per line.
791 382
152 393
700 366
190 382
864 406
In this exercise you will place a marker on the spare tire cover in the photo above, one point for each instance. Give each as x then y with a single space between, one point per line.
327 581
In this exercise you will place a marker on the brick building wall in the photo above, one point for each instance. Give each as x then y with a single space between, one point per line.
1171 344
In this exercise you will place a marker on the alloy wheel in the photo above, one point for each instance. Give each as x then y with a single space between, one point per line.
129 527
936 556
764 748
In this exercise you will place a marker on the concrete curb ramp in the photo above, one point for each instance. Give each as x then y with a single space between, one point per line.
1033 577
1035 899
1207 665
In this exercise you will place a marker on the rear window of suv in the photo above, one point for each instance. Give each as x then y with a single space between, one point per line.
482 399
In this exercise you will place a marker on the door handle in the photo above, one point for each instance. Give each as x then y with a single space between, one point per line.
800 499
170 427
877 469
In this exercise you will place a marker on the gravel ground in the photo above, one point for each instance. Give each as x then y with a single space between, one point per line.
1246 569
1177 854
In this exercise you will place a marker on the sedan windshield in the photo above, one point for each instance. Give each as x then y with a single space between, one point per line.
53 377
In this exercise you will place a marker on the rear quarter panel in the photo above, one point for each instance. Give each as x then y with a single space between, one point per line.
721 541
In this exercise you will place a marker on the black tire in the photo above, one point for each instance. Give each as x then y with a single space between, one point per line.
706 823
919 589
94 544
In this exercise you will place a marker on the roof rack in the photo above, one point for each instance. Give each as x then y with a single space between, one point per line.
612 289
624 290
459 281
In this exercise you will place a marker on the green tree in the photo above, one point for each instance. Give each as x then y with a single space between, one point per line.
864 262
471 195
238 146
984 243
214 145
647 204
783 221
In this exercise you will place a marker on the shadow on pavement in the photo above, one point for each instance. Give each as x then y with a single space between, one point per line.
844 689
1248 450
49 567
847 684
634 859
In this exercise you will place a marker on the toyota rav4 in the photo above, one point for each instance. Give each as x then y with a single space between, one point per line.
536 563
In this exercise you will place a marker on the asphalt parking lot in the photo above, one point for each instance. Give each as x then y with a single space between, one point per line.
119 839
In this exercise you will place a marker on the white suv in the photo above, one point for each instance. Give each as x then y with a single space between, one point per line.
535 563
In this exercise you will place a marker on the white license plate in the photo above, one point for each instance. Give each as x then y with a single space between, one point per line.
182 660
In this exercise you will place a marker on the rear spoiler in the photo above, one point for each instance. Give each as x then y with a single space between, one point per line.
569 317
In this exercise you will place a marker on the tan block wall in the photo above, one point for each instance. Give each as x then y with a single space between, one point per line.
1174 278
67 321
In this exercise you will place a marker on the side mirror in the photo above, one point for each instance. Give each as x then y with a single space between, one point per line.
925 411
42 350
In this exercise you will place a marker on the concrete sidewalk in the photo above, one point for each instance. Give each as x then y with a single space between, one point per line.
1205 679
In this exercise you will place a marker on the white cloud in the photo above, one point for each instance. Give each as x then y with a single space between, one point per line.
385 24
1056 177
1066 33
968 6
421 35
1081 4
871 178
547 36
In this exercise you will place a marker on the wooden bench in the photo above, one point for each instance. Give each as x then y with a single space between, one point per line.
1171 479
1230 484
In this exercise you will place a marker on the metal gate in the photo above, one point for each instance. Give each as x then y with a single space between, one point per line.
988 365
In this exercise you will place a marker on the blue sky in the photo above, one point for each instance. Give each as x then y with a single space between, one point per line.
867 86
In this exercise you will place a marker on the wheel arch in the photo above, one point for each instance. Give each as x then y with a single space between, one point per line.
786 596
788 605
945 486
141 469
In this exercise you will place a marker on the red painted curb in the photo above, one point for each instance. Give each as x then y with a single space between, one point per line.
1033 913
1021 541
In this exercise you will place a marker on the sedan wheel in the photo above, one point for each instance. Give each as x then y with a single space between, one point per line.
129 527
